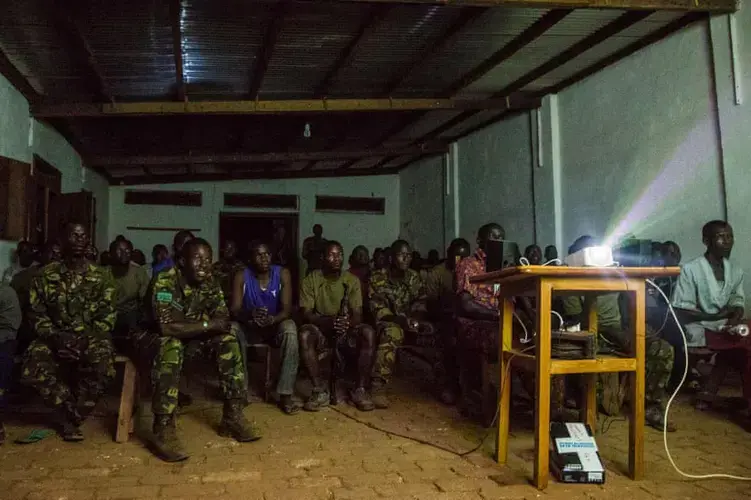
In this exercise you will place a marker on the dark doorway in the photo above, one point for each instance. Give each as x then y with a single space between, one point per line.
277 230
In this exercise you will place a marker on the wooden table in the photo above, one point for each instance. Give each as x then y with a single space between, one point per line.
541 282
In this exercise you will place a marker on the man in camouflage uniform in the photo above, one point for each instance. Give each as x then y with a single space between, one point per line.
396 299
225 268
72 312
614 335
189 312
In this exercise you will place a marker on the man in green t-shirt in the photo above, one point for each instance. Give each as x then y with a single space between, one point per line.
329 318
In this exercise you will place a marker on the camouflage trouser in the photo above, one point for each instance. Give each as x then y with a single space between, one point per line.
391 336
165 356
82 381
659 356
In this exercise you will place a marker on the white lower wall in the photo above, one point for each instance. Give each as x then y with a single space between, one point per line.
350 229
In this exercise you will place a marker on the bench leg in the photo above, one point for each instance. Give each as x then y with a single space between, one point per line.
267 375
125 422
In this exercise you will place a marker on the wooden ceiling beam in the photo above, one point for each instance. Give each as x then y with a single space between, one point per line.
81 51
613 28
266 50
467 16
287 174
626 51
175 7
714 6
529 35
181 160
93 110
371 20
17 79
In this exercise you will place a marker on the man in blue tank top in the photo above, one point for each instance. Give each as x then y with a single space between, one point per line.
262 303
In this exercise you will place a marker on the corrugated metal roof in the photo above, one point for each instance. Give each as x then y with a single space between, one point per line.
133 50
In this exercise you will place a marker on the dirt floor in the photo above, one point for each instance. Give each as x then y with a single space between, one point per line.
330 456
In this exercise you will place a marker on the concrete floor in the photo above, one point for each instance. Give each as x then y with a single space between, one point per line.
329 456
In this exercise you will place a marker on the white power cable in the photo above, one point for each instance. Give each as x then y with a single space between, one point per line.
525 262
675 393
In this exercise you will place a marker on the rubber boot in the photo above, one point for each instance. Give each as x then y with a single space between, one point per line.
235 425
69 422
166 444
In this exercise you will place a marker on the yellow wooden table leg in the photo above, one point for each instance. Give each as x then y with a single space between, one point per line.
504 401
590 400
542 432
637 379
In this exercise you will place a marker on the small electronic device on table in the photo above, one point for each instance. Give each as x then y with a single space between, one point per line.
542 282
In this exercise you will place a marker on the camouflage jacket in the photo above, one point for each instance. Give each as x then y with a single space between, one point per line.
389 297
224 274
62 300
172 294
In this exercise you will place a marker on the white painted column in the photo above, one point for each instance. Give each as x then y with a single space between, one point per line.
451 194
732 63
546 153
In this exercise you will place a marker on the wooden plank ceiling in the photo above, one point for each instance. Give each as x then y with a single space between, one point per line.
159 91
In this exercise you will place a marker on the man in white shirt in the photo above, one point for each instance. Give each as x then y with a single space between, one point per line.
709 301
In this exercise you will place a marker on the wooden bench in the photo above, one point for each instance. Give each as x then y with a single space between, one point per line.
125 420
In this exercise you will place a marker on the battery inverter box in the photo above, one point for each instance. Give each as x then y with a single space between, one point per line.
574 455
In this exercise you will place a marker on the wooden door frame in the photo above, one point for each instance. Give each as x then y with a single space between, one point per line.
293 216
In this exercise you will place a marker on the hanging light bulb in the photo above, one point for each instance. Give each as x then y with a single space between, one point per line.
306 132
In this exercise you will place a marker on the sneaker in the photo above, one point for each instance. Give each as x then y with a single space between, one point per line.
318 400
361 400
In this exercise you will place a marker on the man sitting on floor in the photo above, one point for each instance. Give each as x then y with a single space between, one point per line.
189 311
131 283
397 299
72 311
440 288
262 303
331 303
613 337
709 300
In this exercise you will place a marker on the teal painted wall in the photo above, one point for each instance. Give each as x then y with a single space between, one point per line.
16 142
350 229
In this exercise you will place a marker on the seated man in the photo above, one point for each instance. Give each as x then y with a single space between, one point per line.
131 283
709 300
331 303
72 312
24 260
188 311
477 307
226 267
10 320
262 303
440 288
533 254
612 337
397 298
160 259
359 265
